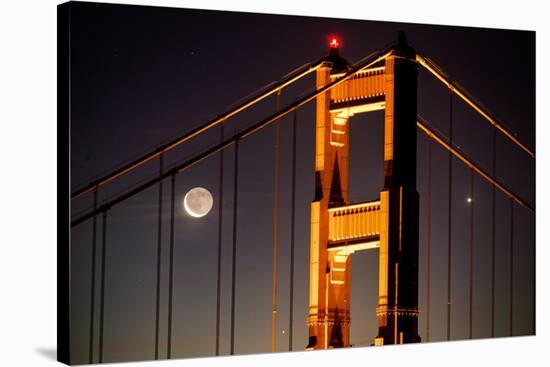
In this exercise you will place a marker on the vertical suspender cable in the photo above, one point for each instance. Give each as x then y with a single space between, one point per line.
471 298
275 230
159 253
292 232
449 248
102 287
220 229
534 287
493 228
92 286
234 259
429 250
171 267
511 267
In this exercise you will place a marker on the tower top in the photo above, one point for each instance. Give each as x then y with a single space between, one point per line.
338 62
402 39
402 44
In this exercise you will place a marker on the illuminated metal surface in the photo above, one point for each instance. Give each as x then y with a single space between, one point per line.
354 222
369 83
338 229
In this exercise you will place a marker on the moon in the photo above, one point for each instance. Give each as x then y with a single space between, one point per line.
198 202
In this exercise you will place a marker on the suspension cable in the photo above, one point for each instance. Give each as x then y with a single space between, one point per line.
158 264
275 228
428 130
219 259
459 91
292 231
429 230
171 268
309 68
358 67
511 268
102 287
450 221
471 298
92 285
493 234
234 255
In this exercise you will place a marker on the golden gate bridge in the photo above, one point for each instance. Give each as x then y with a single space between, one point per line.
382 81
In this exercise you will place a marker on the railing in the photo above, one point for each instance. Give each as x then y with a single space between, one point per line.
353 222
366 84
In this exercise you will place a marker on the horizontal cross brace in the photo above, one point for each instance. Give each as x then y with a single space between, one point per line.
355 222
348 249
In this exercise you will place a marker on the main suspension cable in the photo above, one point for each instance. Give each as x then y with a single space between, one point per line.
428 130
309 68
361 65
459 91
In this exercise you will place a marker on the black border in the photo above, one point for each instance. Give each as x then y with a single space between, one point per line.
63 187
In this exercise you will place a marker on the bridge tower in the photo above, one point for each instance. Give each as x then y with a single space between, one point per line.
328 319
339 228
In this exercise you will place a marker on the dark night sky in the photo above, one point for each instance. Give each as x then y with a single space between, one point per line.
143 75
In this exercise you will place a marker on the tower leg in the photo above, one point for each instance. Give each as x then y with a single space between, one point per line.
397 310
329 315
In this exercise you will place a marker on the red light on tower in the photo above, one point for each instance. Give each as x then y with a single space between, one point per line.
334 42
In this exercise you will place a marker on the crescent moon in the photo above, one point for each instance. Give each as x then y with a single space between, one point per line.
198 202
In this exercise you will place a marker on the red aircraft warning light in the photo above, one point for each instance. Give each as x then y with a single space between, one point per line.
334 42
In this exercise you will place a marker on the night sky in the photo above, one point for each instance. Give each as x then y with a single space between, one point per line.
141 76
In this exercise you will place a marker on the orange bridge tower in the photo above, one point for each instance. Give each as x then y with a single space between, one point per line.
390 224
